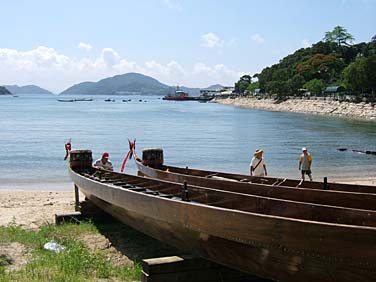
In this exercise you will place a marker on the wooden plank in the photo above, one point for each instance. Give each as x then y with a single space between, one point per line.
190 269
173 264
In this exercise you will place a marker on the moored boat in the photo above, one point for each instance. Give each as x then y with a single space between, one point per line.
179 95
66 100
76 100
272 238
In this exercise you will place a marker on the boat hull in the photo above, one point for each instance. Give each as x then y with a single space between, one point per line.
271 247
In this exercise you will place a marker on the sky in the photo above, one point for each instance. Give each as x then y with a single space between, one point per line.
195 43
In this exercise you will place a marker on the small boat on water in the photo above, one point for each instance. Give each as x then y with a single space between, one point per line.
272 238
66 100
203 98
83 99
180 95
76 100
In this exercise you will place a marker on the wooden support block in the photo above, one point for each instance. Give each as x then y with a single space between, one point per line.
76 198
74 217
190 269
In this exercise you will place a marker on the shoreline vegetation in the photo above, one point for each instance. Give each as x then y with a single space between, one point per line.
359 111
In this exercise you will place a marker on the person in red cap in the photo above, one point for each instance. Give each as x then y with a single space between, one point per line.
104 162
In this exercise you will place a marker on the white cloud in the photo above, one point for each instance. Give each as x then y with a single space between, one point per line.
215 74
306 43
174 4
110 57
210 40
257 38
85 46
47 68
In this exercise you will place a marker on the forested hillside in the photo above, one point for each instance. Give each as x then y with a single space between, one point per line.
333 61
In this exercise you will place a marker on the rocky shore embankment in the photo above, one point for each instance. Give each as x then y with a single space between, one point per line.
363 111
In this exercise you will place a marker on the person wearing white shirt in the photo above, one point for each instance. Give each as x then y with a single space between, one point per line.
258 164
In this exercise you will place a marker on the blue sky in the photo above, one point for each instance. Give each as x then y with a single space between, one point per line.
193 43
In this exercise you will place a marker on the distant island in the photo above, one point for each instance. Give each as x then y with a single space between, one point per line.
4 91
27 89
127 84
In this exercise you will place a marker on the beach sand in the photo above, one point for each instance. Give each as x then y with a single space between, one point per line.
359 181
31 209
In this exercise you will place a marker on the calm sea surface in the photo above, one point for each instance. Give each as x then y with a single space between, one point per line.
33 129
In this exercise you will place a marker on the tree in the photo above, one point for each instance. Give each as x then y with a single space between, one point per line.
339 35
253 86
246 78
315 86
243 83
360 76
295 83
373 39
321 66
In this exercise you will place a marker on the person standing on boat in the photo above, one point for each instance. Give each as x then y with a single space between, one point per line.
258 165
104 162
305 161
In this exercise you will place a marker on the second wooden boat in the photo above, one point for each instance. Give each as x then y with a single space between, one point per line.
152 166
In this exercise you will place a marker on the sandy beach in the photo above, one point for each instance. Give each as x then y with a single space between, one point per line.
31 209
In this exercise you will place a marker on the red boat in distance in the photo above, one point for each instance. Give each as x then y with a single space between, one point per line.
179 95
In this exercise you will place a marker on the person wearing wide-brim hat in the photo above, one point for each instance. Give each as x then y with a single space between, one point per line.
258 164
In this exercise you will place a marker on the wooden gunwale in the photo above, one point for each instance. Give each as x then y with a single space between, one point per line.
324 197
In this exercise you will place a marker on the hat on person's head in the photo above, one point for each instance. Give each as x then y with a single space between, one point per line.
304 149
105 155
258 151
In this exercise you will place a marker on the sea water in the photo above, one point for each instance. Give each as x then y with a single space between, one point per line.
34 128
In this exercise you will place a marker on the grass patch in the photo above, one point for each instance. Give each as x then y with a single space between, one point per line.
75 263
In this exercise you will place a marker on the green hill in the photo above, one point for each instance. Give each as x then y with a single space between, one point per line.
27 89
125 84
333 62
4 91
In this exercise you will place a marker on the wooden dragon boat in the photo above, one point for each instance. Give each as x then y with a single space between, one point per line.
154 158
272 238
152 166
